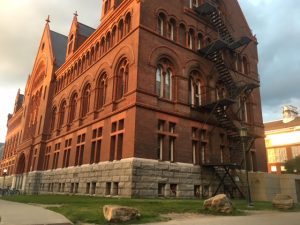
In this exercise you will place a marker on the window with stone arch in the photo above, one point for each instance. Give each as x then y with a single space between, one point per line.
73 107
101 91
53 118
62 113
122 74
191 39
182 34
196 89
161 23
172 29
245 65
164 79
221 92
127 23
199 41
121 29
194 3
86 97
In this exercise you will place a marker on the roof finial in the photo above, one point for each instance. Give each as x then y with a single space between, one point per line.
75 13
48 19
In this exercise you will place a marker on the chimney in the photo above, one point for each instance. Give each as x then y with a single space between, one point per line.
289 113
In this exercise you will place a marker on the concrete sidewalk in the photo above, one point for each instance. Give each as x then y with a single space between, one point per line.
255 218
13 213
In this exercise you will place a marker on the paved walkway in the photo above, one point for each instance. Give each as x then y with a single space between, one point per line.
12 213
256 218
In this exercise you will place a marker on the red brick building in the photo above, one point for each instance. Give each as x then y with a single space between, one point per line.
138 106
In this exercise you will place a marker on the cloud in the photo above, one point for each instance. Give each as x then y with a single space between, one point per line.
21 26
276 24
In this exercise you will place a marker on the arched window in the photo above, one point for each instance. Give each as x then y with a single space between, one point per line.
53 118
62 112
220 92
102 46
207 41
199 41
191 39
161 24
121 29
73 107
70 46
243 109
182 35
127 23
122 79
196 89
86 95
79 67
83 64
92 55
164 79
193 3
97 53
113 36
172 29
88 60
245 65
101 91
108 41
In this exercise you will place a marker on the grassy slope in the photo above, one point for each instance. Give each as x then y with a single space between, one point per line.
89 209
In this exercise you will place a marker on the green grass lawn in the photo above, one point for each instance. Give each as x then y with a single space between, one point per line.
89 209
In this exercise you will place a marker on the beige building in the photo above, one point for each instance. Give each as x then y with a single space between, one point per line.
282 140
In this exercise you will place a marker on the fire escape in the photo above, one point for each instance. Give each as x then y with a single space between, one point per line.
224 110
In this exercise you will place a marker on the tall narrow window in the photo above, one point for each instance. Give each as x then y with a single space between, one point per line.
127 23
193 3
191 39
108 41
53 118
122 79
161 24
86 100
199 41
172 29
245 65
121 29
195 89
164 79
73 107
182 34
70 46
101 91
113 36
160 143
62 113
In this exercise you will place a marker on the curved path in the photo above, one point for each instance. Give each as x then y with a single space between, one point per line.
255 218
13 213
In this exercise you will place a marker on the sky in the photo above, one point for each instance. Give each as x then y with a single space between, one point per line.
274 22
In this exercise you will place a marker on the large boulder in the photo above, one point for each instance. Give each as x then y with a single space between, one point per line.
117 213
219 203
281 201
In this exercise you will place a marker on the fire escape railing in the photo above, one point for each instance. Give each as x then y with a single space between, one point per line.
219 109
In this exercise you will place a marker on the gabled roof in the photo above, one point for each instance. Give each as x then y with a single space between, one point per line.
59 45
85 30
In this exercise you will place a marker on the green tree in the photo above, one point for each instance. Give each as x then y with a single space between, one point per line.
293 165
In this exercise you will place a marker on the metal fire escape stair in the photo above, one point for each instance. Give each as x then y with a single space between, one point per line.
214 53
